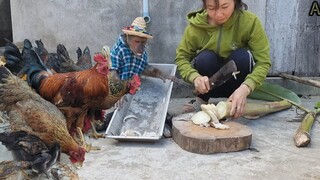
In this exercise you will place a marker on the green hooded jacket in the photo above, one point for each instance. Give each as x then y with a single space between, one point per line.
242 30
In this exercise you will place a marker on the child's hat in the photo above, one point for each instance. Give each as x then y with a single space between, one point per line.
138 28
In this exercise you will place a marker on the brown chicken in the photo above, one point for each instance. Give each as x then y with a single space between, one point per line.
74 93
29 112
13 170
94 118
61 62
58 62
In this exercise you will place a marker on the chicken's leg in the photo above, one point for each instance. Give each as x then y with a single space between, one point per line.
94 133
87 147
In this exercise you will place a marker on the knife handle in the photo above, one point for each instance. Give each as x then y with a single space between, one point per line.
195 92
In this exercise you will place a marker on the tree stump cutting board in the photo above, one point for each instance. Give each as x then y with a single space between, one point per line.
202 140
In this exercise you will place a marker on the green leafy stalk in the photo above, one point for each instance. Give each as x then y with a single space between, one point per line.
271 92
292 102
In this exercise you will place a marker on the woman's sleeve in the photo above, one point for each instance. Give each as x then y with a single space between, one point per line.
260 49
185 52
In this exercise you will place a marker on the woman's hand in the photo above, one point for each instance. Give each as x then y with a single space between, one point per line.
238 100
202 84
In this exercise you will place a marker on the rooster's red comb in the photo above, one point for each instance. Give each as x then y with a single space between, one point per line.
99 58
136 78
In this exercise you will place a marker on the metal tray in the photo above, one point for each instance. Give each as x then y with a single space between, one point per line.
149 106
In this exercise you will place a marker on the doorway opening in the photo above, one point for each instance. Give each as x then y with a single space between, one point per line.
5 21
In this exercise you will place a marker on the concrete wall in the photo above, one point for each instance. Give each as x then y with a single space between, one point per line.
97 23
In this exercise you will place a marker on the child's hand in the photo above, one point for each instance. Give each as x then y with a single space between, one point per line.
169 77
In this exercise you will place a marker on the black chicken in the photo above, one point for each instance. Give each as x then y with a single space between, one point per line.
42 51
60 61
45 160
30 148
84 58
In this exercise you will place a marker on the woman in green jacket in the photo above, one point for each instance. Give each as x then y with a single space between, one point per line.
220 32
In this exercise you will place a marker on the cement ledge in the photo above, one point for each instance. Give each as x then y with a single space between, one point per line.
183 89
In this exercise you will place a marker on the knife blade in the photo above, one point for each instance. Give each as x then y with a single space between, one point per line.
221 76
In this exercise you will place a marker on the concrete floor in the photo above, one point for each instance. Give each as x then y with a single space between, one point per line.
273 154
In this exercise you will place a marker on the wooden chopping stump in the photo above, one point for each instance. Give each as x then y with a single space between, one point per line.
202 140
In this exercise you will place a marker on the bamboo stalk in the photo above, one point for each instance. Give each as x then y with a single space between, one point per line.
302 137
293 103
301 80
224 108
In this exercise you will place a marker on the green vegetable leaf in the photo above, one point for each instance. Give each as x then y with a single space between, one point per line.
317 106
271 92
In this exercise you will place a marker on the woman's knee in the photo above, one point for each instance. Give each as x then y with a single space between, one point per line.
243 60
206 62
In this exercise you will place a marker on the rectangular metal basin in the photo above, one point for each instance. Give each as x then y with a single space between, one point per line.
149 106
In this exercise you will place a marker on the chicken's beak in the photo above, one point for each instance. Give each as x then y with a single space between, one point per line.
78 165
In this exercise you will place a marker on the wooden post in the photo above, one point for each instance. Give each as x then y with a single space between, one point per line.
301 80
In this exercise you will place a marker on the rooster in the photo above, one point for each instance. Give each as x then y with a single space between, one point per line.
29 112
74 93
94 117
57 62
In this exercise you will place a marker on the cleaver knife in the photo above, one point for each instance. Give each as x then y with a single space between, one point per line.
221 76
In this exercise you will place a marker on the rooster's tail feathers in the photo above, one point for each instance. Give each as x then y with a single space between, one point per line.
62 50
34 67
30 56
86 50
79 52
40 49
13 57
39 43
